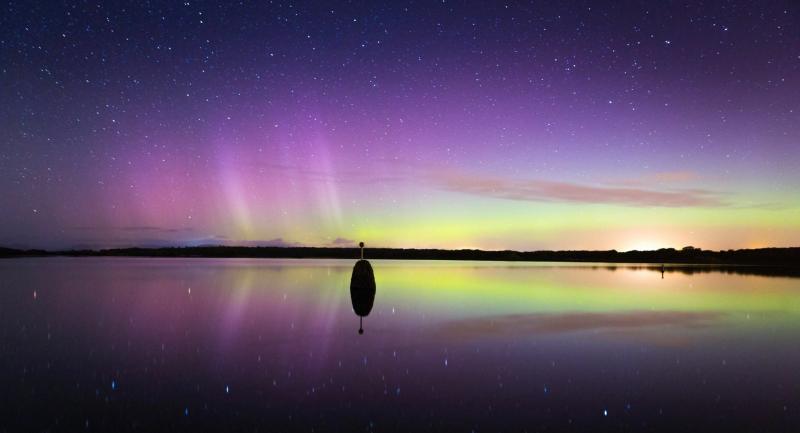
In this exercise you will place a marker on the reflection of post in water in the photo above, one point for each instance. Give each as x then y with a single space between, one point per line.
362 289
662 271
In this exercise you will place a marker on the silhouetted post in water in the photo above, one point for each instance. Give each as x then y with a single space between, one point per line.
662 271
362 289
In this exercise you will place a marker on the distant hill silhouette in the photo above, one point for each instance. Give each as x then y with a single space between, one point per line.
11 252
775 257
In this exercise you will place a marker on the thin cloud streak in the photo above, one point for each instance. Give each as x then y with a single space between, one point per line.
342 242
548 191
658 178
131 229
225 241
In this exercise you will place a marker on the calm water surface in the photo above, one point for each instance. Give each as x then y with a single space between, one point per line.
128 344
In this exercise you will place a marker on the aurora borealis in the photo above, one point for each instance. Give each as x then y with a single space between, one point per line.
520 125
195 344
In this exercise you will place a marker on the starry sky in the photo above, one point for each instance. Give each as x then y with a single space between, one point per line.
493 125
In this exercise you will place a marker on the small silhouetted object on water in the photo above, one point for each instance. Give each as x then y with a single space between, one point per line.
362 289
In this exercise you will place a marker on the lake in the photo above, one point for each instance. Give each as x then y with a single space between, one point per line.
137 344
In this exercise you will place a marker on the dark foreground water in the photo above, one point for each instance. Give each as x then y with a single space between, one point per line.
118 344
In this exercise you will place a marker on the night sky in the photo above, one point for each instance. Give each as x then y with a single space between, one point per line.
596 125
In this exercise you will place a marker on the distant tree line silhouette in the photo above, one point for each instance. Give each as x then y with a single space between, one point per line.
784 257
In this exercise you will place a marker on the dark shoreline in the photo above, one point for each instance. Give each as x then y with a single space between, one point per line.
787 257
764 261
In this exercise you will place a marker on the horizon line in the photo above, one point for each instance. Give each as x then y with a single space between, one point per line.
354 246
